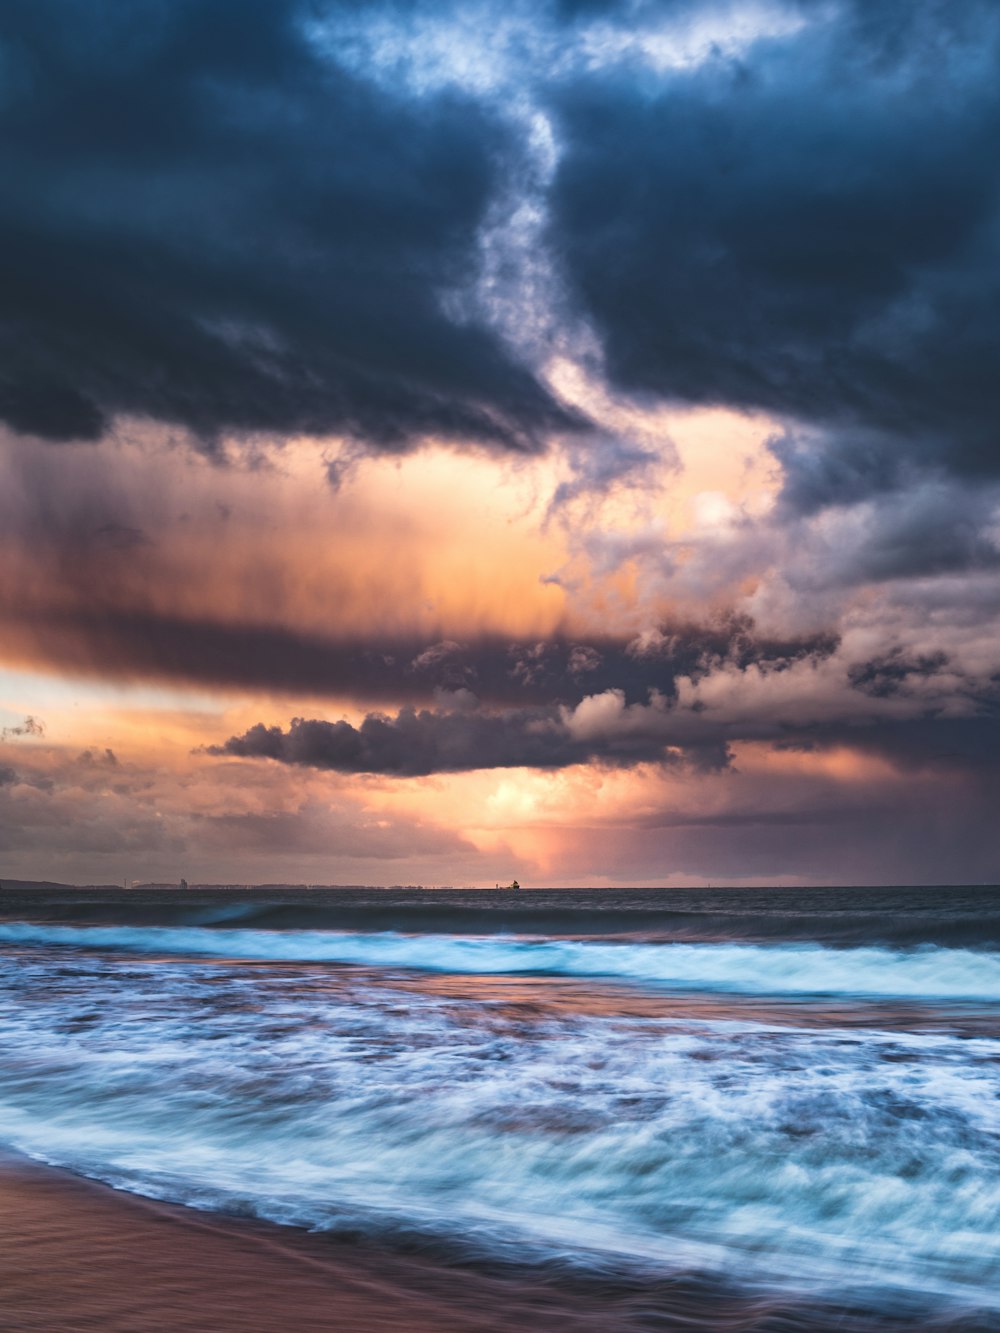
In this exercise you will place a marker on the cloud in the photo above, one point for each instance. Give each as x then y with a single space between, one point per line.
382 224
31 726
889 674
118 562
107 759
417 743
90 817
601 464
580 714
945 746
313 829
219 227
140 644
916 712
810 229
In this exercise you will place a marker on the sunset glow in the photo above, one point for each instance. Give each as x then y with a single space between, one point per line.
600 591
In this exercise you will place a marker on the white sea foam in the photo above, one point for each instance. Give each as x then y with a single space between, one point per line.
927 972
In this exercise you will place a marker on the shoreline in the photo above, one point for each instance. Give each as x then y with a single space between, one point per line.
79 1255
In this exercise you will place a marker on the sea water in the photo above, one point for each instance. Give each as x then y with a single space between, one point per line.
773 1091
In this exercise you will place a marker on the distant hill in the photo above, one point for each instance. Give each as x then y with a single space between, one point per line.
53 886
48 885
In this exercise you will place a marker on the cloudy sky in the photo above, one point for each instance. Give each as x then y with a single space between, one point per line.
442 442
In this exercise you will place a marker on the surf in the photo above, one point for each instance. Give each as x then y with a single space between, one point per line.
927 972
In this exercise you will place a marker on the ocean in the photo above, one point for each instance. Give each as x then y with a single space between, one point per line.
783 1104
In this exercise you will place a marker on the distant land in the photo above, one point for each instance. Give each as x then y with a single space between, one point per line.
163 886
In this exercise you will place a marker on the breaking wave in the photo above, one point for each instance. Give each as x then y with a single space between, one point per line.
926 972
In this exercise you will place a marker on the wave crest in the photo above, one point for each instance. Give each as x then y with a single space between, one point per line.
927 972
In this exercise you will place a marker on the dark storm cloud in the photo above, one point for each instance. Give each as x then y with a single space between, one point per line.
948 746
414 744
215 222
136 644
837 467
566 703
207 222
603 729
894 672
811 229
935 528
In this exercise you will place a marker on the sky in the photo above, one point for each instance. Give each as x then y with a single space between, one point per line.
445 442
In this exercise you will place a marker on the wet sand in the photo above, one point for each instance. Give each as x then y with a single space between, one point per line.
77 1255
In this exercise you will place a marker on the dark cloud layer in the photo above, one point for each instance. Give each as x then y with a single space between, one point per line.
149 645
219 224
811 229
212 224
548 704
948 746
415 744
894 672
